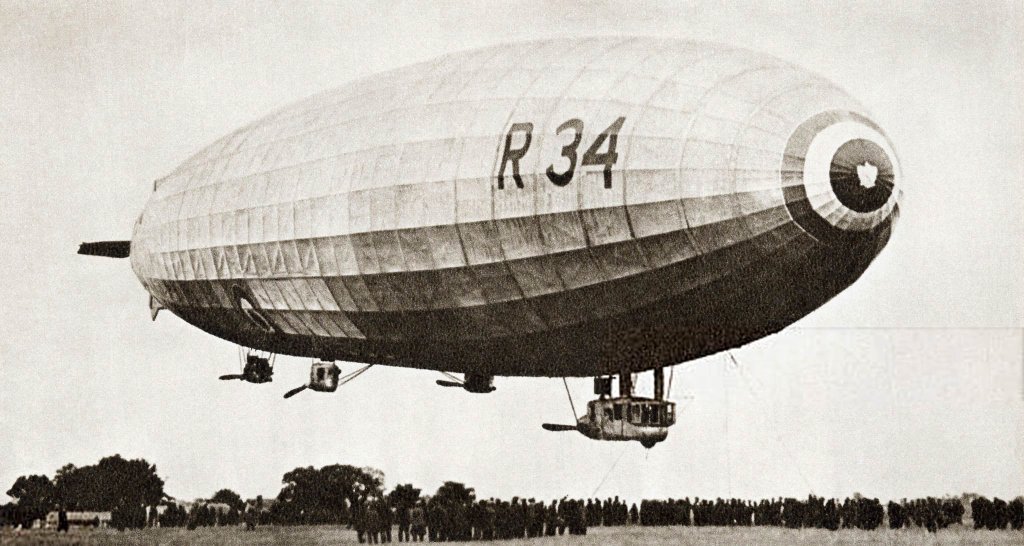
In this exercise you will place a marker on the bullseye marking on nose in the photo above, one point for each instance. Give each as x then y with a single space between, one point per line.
860 178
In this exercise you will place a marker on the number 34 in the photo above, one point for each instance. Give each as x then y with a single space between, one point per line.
592 156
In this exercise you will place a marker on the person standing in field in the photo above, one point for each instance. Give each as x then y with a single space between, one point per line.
371 524
417 523
250 517
62 520
403 524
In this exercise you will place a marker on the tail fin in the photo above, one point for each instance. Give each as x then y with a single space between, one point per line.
109 249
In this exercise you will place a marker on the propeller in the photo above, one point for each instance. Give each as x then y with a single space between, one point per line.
560 428
295 391
444 383
231 376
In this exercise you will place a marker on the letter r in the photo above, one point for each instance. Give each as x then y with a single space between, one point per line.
516 154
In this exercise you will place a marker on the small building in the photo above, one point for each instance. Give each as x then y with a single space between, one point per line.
220 508
80 519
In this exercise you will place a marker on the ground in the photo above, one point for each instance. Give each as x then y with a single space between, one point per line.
620 535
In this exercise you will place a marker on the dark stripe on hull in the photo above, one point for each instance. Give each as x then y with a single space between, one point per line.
756 298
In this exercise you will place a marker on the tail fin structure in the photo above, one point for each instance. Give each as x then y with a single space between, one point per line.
108 249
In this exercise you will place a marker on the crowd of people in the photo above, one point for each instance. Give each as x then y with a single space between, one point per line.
494 519
861 513
815 512
997 513
930 513
490 519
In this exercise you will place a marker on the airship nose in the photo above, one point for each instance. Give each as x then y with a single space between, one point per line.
841 177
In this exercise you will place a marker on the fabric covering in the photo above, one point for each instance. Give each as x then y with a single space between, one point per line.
373 211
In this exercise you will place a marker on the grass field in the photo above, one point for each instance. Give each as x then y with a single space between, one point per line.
598 536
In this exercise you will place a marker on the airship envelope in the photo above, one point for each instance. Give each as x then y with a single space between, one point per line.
568 207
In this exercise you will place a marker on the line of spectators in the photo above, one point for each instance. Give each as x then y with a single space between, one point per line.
997 513
493 519
815 512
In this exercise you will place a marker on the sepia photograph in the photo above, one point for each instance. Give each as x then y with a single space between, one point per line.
532 272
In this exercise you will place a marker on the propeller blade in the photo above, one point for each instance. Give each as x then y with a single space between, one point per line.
559 428
444 383
295 391
231 376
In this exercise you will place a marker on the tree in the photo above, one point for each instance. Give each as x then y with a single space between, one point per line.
230 498
113 482
404 496
455 493
327 495
128 516
36 497
9 514
77 488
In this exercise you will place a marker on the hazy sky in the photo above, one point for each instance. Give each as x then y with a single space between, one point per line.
908 383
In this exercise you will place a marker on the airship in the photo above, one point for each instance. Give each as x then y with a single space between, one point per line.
584 207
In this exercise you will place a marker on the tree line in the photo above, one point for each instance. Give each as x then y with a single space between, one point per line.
120 486
131 490
340 494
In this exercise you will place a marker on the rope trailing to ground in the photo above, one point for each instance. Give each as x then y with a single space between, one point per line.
346 378
609 473
747 381
571 405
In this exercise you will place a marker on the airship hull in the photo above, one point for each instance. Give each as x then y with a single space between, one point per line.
554 208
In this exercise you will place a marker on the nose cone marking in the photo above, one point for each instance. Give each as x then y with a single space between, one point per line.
861 175
867 174
840 175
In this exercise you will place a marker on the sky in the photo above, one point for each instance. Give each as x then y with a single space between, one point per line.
909 383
